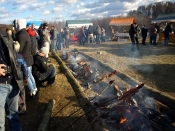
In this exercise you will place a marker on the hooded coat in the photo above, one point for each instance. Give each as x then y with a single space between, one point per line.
26 47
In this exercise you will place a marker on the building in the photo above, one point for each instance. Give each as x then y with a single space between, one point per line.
78 23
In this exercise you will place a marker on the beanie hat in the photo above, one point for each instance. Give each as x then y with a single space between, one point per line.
44 50
20 24
29 24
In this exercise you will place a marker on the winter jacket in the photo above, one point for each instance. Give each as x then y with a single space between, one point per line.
23 66
98 30
26 46
32 34
7 42
144 32
152 30
132 31
168 30
40 68
45 35
82 32
53 33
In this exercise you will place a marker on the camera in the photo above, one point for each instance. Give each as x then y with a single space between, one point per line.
7 70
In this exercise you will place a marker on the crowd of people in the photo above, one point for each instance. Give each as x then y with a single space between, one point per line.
23 62
91 35
153 31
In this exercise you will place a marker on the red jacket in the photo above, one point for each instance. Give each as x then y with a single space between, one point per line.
31 32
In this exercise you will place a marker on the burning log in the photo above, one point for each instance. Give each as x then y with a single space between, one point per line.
126 97
108 75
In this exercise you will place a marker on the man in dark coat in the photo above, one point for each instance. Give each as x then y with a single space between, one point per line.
26 48
41 71
144 34
167 32
98 35
11 81
152 33
132 34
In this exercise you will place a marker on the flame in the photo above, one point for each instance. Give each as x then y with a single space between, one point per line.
122 120
128 111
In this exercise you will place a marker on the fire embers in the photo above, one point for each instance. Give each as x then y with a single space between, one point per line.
131 118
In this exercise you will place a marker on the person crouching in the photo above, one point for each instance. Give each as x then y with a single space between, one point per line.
41 71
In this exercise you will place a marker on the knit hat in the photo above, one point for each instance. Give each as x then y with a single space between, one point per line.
20 24
44 50
29 24
16 46
45 24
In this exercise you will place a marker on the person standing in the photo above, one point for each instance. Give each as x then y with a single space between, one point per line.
167 32
132 34
90 35
82 36
60 40
53 38
26 51
98 35
46 39
138 30
144 34
67 37
152 33
10 84
103 34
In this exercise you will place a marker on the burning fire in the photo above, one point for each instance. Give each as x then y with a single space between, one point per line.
122 120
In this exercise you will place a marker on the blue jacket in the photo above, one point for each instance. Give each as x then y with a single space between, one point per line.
23 66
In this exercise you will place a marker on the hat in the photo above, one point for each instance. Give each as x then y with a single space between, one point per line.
29 24
45 24
44 50
16 46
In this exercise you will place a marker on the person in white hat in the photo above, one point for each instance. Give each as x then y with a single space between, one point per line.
41 71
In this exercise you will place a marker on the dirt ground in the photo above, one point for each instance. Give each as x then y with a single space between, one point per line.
62 92
153 63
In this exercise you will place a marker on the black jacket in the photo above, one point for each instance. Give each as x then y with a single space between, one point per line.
15 67
132 31
144 32
168 30
39 65
26 46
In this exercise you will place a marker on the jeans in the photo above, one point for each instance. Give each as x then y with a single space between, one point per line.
9 95
102 38
31 80
53 45
153 38
166 40
98 39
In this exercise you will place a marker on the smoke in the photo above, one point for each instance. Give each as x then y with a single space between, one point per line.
148 102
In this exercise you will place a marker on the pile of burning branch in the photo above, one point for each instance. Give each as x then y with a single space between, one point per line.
120 112
79 69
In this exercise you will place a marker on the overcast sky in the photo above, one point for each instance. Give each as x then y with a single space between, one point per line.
66 9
